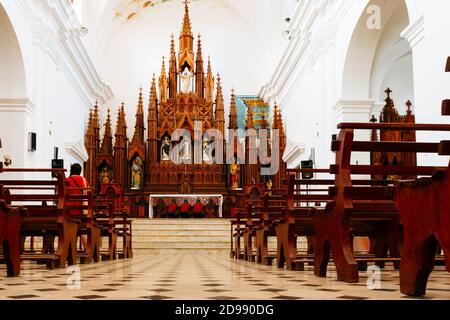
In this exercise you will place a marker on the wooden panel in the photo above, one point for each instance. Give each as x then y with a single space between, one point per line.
444 148
392 170
447 67
370 193
314 182
395 126
419 147
446 107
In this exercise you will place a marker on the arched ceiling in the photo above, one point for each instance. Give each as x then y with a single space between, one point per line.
127 39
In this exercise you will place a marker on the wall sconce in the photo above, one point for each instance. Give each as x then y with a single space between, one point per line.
7 161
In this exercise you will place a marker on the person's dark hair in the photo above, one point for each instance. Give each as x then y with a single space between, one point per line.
75 169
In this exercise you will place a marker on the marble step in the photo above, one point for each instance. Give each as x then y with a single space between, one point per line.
181 221
194 227
181 245
187 238
146 252
175 232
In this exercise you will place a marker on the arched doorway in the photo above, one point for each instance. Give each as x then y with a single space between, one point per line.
378 57
13 93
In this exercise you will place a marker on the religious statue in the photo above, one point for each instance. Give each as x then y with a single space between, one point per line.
235 170
207 154
105 176
165 149
186 78
269 186
186 154
136 173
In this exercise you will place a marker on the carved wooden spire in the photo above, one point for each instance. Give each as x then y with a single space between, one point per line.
278 124
389 113
96 120
233 122
199 71
249 122
186 54
220 108
173 73
163 83
121 128
139 127
209 83
91 144
374 133
107 145
186 31
120 148
153 124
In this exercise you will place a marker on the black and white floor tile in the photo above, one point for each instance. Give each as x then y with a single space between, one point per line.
199 277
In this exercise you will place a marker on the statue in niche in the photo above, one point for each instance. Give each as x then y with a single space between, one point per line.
136 173
165 149
105 175
186 149
207 151
186 80
269 186
235 171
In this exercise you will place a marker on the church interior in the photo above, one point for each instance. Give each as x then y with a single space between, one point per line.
224 150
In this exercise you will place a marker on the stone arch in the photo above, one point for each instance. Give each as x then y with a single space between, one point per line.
358 70
14 102
12 68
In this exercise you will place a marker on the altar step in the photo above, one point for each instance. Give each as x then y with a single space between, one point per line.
156 236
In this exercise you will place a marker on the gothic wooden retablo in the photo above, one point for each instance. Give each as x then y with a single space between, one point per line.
184 94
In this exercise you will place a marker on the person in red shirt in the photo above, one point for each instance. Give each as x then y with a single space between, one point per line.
75 180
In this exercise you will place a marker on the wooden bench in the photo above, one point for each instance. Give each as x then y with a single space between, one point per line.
120 224
104 217
363 209
84 203
303 198
10 222
267 218
255 223
424 206
45 215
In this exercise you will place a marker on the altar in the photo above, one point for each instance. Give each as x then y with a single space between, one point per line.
180 200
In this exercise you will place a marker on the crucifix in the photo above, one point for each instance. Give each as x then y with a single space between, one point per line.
388 92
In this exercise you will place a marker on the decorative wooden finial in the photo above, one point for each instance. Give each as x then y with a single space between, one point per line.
388 92
373 120
408 105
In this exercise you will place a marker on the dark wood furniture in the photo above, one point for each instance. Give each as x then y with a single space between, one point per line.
359 208
10 222
304 197
45 214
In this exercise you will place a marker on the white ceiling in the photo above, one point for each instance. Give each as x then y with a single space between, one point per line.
243 37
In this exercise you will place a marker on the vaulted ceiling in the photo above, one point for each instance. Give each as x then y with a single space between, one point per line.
128 38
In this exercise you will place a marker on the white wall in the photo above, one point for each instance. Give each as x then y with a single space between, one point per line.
335 69
56 85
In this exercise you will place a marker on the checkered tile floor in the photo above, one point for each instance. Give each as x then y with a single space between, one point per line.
199 277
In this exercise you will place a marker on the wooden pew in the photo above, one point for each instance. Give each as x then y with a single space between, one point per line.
46 215
104 214
267 219
236 204
424 206
84 203
10 222
359 208
303 198
253 203
120 221
255 223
